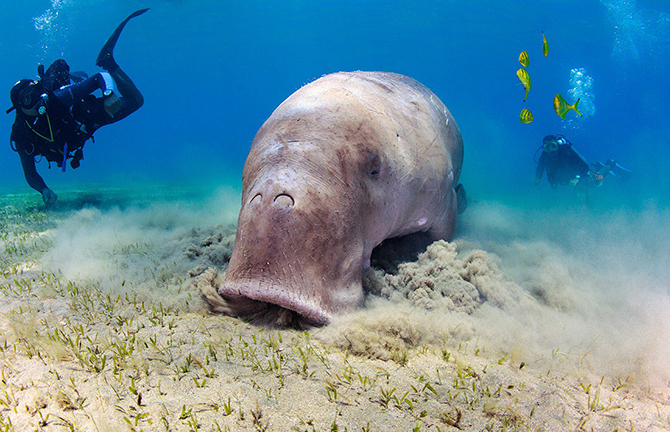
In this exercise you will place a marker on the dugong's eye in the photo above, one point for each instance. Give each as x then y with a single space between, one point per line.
374 165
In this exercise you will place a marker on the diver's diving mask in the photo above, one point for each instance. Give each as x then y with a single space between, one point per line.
30 96
33 97
551 146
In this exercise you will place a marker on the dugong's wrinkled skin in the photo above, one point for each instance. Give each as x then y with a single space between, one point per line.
345 162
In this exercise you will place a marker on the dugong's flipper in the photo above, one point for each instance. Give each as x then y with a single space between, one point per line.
106 59
461 198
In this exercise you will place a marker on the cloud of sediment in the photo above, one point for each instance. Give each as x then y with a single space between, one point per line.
146 248
585 288
589 288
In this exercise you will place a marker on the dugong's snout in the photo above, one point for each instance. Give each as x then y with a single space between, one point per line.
293 263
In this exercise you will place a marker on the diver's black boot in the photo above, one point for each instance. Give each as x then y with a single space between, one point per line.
106 58
619 172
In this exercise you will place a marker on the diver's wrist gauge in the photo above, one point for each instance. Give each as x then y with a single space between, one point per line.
107 93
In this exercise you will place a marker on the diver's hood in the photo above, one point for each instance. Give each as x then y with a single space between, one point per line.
22 89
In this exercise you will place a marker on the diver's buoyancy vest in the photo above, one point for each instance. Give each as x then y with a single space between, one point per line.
48 134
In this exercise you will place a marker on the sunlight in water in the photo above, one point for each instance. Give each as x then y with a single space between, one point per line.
640 34
628 27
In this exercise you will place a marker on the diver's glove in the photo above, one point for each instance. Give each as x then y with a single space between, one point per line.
49 197
76 159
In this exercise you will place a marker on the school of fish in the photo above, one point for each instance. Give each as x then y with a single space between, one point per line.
561 106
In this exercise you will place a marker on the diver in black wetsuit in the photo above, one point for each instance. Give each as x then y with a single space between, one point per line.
566 166
55 118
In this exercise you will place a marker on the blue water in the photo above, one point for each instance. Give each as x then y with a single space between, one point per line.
212 72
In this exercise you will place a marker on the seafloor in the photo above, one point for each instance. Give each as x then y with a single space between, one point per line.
103 326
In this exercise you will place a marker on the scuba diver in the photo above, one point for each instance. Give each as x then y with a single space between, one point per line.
566 166
57 114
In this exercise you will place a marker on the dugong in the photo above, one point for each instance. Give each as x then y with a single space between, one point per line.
345 162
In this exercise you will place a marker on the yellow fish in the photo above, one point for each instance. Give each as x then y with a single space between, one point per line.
523 59
561 106
524 77
545 45
526 116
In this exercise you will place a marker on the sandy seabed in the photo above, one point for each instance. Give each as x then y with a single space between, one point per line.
528 320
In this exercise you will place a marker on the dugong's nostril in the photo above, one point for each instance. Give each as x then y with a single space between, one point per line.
256 199
284 200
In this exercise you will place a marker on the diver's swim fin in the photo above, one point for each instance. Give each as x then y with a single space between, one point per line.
619 172
106 59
